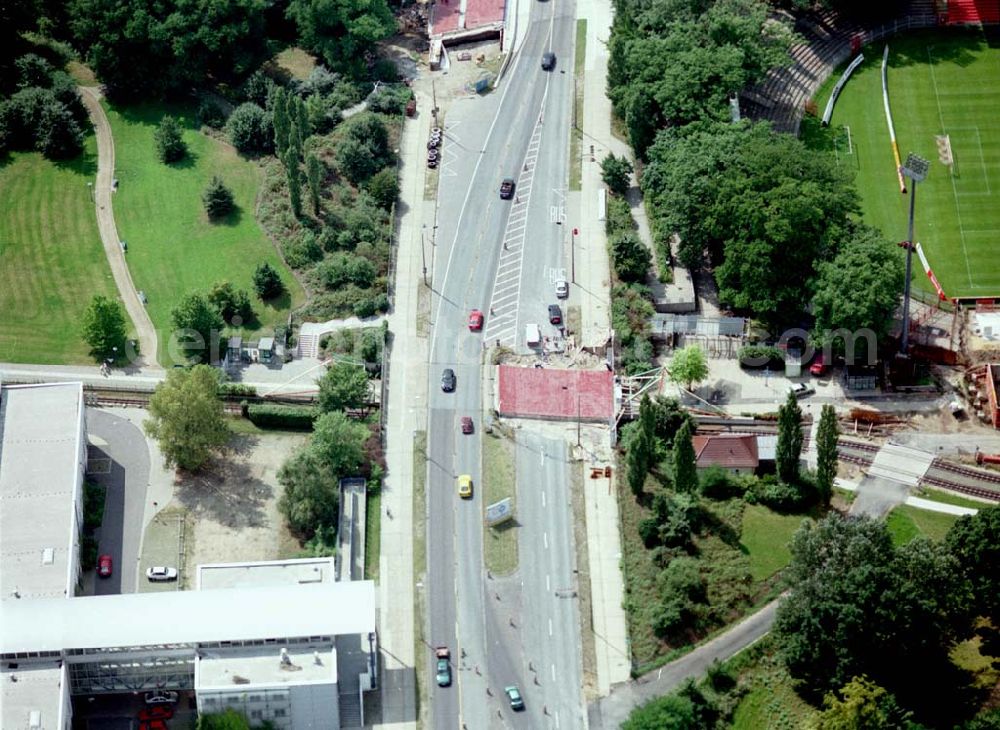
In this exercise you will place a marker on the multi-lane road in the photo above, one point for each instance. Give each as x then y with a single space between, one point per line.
504 255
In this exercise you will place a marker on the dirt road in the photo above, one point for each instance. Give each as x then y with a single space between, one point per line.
102 193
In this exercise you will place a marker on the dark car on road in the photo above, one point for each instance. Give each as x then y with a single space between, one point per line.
507 188
443 674
555 314
548 61
448 380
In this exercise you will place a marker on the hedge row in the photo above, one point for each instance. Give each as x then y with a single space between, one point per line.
271 415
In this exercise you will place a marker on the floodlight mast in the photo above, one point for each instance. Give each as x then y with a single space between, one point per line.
916 169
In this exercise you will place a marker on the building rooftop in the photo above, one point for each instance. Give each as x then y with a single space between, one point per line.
41 450
262 666
38 689
187 617
729 451
266 573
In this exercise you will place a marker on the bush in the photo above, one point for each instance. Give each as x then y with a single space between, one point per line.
257 89
93 505
303 251
761 356
236 389
390 99
618 217
293 418
249 129
88 553
384 188
211 115
231 302
267 282
217 199
778 495
630 256
615 172
381 303
169 140
346 268
717 483
364 308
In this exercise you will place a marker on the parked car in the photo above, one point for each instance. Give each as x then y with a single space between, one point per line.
514 695
448 380
507 188
443 666
555 314
820 366
161 574
467 424
562 289
104 566
161 697
156 712
532 335
475 320
465 486
548 61
801 389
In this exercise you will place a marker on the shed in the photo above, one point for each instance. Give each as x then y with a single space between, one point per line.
265 348
235 348
736 453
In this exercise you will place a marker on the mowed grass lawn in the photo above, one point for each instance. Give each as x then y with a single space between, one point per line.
941 82
173 249
906 523
51 258
766 538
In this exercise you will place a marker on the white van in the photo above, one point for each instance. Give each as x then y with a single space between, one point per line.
532 335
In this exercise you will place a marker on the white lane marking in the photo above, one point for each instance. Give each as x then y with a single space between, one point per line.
553 672
548 584
550 627
545 536
543 499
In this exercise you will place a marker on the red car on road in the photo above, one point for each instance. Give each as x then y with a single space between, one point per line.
475 320
466 424
157 712
104 566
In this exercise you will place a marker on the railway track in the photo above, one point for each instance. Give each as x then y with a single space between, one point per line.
140 400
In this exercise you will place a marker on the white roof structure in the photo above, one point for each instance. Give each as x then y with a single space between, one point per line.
260 574
41 452
187 617
240 669
35 693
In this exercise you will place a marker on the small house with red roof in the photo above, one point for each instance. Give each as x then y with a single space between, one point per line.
736 453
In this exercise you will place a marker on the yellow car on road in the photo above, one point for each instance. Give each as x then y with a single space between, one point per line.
465 486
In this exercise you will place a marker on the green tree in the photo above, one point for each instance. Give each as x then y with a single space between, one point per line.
294 180
342 32
670 712
279 120
104 328
857 291
35 119
169 140
344 385
217 199
688 366
365 148
267 282
228 720
862 704
826 452
384 187
760 206
302 122
250 129
685 464
314 176
641 448
683 594
669 416
186 417
630 256
616 172
231 302
789 448
974 540
199 324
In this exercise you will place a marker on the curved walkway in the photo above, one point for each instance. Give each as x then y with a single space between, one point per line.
102 194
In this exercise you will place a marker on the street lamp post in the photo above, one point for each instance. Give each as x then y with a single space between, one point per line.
916 169
572 255
423 255
90 189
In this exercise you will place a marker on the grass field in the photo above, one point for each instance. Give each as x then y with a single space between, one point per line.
51 258
940 83
766 536
173 249
905 523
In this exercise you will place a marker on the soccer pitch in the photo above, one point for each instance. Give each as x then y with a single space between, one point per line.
942 82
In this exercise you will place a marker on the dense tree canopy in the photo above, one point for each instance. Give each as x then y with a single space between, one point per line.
104 328
677 61
858 290
758 204
344 385
342 32
141 48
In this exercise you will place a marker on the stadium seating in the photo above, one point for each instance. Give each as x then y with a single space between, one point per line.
973 12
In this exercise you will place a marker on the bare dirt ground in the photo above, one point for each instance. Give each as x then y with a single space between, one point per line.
233 503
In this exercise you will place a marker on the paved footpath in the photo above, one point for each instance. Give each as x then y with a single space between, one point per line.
102 192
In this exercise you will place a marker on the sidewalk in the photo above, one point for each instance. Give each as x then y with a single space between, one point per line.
591 291
406 414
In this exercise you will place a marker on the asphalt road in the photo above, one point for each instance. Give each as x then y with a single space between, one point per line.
121 465
486 139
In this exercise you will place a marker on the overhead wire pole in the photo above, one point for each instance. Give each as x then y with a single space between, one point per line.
916 169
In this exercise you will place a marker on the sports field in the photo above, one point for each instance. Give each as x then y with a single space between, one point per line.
51 259
173 248
942 82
